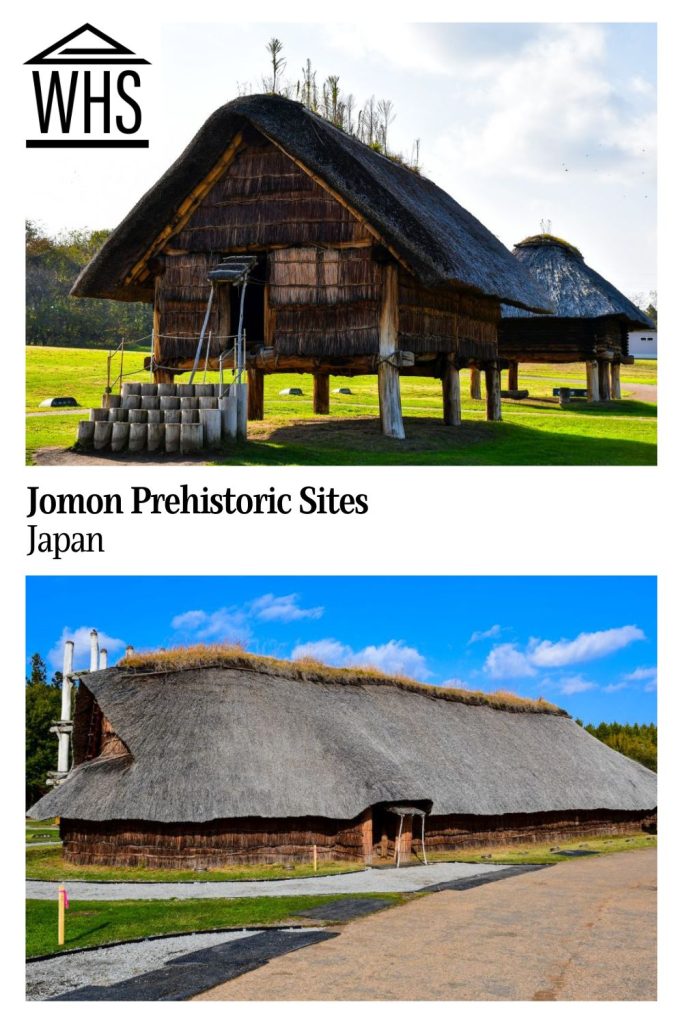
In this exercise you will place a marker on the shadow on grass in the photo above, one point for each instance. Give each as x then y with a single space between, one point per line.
429 443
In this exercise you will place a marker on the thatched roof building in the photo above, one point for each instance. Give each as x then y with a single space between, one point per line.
253 759
590 320
362 264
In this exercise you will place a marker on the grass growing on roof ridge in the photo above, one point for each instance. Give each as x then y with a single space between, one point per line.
546 239
179 659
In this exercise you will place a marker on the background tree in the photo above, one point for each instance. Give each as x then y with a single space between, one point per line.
639 742
43 707
53 318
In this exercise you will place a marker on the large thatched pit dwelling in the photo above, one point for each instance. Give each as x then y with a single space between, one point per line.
590 323
362 266
228 759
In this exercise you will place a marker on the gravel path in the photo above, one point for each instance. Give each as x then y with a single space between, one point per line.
580 930
60 974
372 880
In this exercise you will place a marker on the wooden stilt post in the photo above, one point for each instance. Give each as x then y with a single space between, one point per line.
603 376
493 406
366 834
321 394
592 383
388 376
255 394
616 380
450 383
513 377
475 382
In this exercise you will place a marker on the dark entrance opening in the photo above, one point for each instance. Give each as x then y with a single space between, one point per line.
254 313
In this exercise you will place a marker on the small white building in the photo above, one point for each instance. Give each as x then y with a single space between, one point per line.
642 344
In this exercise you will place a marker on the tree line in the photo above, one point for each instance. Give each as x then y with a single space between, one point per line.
43 707
639 742
53 318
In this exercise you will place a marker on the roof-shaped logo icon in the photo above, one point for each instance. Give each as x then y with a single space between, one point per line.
87 45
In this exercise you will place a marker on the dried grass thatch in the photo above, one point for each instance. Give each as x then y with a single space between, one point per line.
182 659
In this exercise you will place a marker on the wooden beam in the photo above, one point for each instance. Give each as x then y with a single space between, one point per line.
475 382
388 375
592 382
493 405
450 383
615 388
513 377
255 394
321 394
603 378
186 209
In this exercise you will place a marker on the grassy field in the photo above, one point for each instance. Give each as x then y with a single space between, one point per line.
536 431
549 853
47 864
95 922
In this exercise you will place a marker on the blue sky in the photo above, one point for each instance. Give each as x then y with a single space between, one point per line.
519 122
586 643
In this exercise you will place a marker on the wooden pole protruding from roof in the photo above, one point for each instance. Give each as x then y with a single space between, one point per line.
615 381
475 383
592 383
388 375
94 651
603 378
450 382
513 377
321 394
255 380
493 405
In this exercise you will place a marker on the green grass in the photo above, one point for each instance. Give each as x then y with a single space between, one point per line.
535 431
48 864
42 835
95 922
546 853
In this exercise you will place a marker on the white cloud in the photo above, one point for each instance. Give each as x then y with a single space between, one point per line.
615 687
569 685
270 608
224 625
393 657
485 634
585 647
548 112
81 639
233 625
456 683
510 661
640 674
506 661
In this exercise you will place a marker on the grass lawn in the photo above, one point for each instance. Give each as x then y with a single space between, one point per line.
546 853
535 431
93 923
47 864
42 835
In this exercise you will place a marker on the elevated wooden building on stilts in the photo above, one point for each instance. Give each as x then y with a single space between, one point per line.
209 757
590 321
361 265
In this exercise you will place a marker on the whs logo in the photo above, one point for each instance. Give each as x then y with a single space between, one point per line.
91 99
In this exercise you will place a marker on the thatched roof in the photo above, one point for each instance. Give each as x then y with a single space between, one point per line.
439 240
221 742
572 287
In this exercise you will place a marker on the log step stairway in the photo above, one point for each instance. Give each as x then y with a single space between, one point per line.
166 418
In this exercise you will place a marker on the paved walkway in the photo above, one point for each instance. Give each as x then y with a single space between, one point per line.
372 880
581 930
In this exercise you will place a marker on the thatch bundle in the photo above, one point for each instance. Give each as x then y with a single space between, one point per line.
315 276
